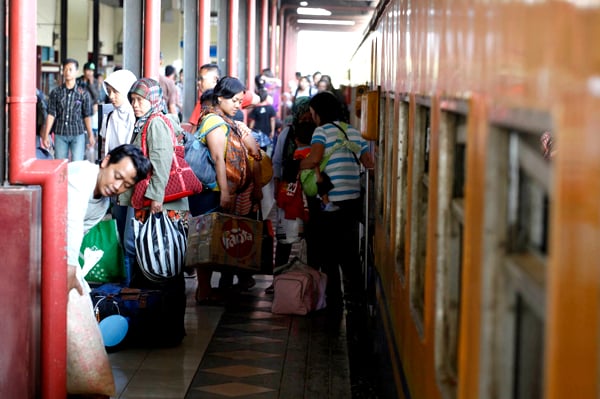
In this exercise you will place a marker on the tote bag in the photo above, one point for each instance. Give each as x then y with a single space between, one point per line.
160 246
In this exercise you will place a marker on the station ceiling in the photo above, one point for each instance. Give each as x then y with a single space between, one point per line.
358 11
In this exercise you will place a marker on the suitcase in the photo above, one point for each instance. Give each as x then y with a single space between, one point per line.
155 314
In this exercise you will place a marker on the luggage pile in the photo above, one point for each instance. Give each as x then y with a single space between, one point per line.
133 309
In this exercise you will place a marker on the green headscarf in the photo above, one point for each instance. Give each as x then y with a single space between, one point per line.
299 108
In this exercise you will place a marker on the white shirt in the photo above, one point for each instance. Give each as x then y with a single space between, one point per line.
83 211
118 127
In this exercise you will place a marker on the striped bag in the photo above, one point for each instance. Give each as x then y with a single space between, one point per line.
160 246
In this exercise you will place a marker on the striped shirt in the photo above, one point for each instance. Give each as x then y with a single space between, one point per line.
69 107
342 168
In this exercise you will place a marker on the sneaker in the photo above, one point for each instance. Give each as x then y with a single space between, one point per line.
331 207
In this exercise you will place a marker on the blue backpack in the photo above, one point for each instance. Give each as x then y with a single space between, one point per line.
197 155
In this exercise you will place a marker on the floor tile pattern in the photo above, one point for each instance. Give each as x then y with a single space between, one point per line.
256 354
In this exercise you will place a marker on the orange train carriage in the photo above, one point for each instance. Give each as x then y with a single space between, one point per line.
485 253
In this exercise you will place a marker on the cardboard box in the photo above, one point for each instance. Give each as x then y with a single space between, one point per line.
218 239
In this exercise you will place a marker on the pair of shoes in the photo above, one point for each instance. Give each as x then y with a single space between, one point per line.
270 289
331 207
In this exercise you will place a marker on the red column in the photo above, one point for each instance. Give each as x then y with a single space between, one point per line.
233 26
281 45
152 39
274 39
264 35
52 176
203 32
251 43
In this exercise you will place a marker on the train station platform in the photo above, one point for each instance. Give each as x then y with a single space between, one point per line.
242 350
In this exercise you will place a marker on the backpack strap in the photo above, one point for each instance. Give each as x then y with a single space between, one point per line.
209 123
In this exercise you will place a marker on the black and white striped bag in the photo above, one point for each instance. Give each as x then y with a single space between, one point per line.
160 246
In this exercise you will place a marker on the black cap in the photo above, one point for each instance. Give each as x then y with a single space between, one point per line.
89 65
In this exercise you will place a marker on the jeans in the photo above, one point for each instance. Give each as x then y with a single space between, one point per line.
76 144
129 246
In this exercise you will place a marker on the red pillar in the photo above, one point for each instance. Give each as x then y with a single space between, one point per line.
233 27
203 32
274 40
251 43
281 45
52 176
264 35
152 39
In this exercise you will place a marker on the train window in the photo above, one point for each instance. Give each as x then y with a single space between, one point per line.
450 226
401 189
419 205
515 246
381 150
389 176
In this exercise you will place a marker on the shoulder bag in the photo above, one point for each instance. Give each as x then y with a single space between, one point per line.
182 180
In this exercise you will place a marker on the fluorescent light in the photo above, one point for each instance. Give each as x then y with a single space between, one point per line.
326 22
303 3
313 11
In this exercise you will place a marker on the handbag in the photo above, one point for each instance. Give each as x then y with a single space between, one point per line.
160 246
182 180
266 167
88 367
102 242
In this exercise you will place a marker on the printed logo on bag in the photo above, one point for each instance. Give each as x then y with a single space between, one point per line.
237 238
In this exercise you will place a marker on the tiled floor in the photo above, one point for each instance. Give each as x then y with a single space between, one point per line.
257 354
166 373
241 351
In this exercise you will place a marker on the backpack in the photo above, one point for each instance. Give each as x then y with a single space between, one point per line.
236 158
198 156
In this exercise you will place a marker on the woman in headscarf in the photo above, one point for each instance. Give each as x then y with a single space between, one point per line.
146 99
117 126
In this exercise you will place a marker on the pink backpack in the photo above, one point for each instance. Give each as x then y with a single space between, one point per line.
299 290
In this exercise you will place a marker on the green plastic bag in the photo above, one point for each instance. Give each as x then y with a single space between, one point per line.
102 246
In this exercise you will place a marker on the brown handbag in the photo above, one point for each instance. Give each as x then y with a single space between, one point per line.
182 180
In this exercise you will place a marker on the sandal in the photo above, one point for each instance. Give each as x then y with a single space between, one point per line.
270 289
